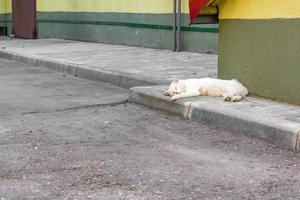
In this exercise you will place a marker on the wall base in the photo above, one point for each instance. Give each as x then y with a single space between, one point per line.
264 55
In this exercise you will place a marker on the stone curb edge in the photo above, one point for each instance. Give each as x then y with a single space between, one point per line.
285 133
121 79
281 132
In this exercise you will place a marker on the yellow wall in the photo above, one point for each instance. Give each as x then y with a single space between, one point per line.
5 6
229 9
123 6
259 9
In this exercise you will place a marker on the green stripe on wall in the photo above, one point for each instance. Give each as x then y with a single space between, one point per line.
131 25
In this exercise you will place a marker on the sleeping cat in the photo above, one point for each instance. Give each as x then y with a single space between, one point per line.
231 90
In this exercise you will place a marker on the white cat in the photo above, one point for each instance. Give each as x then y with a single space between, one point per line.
231 90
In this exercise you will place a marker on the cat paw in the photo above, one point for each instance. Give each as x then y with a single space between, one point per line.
174 98
237 98
227 99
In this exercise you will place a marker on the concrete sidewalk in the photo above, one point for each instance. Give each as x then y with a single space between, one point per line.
127 67
120 65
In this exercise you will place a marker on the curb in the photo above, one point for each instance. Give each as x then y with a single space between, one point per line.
121 79
284 133
153 99
281 132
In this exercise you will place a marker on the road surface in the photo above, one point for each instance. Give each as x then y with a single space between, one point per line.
68 138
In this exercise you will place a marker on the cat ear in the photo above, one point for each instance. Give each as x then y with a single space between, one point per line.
173 79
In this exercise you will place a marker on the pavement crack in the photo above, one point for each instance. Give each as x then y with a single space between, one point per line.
103 105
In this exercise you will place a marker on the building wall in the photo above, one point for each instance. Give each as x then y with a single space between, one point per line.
5 9
5 6
260 45
131 22
5 14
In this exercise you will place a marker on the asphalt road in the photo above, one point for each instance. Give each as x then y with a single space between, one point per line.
68 138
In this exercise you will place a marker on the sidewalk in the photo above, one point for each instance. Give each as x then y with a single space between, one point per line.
121 65
132 66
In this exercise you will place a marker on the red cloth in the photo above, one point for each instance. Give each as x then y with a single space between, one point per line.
195 7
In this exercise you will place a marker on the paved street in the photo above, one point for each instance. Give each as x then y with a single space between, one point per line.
69 138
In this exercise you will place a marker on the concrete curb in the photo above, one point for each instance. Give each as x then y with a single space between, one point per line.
121 79
153 99
281 132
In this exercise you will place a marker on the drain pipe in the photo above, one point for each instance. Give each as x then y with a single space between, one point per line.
174 25
179 38
177 22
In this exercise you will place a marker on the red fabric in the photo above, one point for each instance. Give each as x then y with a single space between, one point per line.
195 7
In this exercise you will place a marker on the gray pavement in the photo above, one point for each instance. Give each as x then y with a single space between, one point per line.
153 65
67 138
126 67
27 89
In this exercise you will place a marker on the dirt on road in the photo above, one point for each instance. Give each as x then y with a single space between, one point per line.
67 138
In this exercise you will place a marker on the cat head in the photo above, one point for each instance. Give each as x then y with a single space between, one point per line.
176 87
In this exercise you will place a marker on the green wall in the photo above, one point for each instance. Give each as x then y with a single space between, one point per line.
147 30
264 55
5 20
